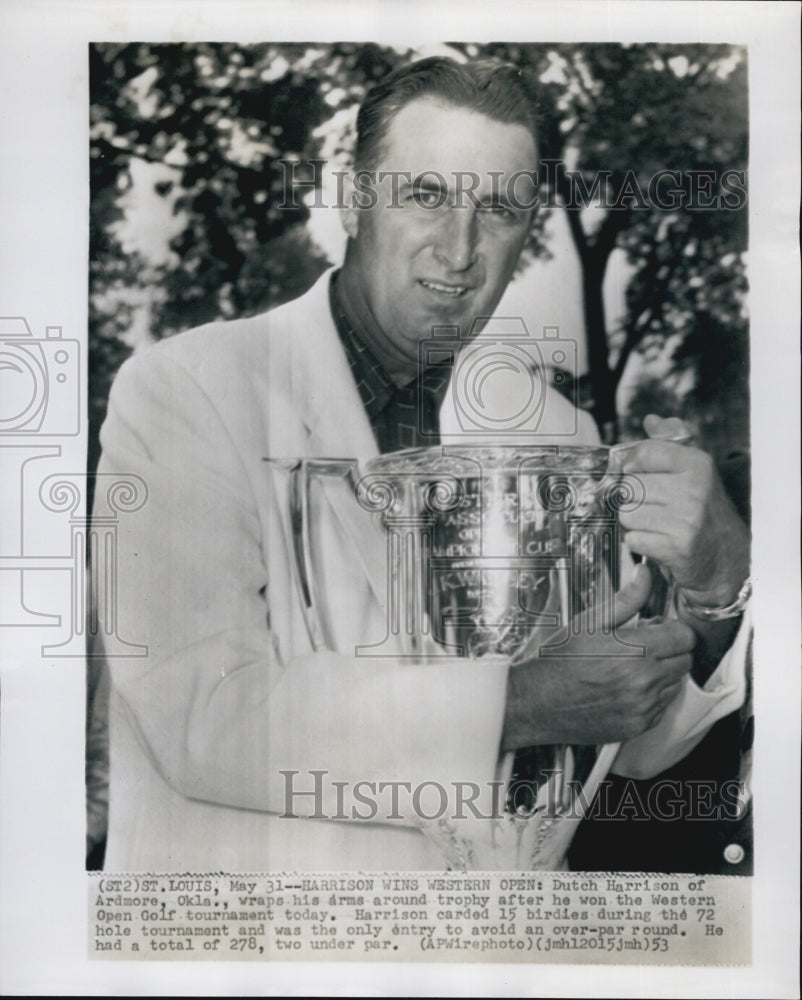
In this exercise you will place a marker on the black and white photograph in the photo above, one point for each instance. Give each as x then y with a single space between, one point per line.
401 507
246 738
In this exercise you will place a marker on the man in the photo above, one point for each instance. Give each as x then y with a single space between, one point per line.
235 745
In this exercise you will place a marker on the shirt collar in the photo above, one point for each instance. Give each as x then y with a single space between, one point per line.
375 386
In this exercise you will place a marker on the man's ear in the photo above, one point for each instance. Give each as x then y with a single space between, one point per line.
349 213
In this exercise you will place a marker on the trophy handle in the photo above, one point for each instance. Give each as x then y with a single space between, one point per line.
301 472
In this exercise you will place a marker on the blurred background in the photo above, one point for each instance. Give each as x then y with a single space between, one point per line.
191 146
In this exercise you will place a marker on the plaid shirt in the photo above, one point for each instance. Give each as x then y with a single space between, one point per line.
401 416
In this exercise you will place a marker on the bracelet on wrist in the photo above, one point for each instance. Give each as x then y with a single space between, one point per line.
719 614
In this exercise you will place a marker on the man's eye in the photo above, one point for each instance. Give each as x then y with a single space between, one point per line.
497 209
428 199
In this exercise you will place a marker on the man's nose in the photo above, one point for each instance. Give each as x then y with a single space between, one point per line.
455 247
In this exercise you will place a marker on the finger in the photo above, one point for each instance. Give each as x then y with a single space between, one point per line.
628 601
540 634
666 689
666 640
669 693
667 428
675 668
672 522
664 702
619 608
654 544
657 456
654 717
656 489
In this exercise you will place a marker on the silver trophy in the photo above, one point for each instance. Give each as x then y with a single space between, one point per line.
512 539
489 552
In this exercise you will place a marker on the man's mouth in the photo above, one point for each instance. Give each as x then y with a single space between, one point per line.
454 291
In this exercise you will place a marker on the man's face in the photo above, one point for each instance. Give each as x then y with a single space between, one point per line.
440 251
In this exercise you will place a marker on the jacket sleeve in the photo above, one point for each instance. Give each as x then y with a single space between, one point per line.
216 709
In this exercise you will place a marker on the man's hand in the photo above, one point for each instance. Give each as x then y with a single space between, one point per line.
590 693
687 523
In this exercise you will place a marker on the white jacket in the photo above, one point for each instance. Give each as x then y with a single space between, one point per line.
231 693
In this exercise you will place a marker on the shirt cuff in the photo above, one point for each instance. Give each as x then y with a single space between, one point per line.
691 715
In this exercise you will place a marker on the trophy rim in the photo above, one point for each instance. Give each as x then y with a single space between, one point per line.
501 459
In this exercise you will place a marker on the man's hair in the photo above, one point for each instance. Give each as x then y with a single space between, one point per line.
493 88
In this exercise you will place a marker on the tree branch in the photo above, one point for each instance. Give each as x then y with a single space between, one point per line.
615 222
652 299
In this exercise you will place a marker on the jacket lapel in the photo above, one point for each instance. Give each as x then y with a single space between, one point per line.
338 428
329 399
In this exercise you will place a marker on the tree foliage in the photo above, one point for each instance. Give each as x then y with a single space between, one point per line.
615 119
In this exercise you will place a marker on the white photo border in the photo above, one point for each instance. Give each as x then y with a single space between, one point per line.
44 188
